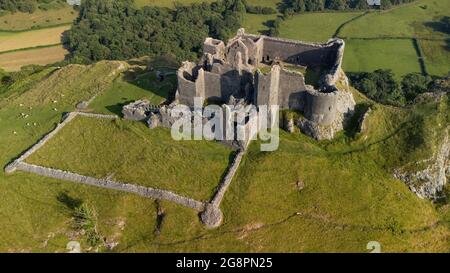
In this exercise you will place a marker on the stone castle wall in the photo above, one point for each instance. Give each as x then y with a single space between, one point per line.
233 70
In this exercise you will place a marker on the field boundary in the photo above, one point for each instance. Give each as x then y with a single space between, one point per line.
148 192
20 164
35 28
30 48
340 27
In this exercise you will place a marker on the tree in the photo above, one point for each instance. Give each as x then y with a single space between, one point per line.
414 84
336 4
379 85
115 29
314 5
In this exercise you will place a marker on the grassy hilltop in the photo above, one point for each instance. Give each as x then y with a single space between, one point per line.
349 198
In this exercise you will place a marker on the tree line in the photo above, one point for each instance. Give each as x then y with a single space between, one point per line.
382 86
116 30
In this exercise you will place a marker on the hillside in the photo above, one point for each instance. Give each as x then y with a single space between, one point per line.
348 197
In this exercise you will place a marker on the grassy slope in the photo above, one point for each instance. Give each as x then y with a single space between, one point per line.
125 90
350 196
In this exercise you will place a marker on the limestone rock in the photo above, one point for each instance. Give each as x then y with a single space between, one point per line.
429 182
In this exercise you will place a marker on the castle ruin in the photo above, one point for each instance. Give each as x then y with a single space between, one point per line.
303 77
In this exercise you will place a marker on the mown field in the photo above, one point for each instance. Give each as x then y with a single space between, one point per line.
40 18
32 38
350 197
40 46
13 61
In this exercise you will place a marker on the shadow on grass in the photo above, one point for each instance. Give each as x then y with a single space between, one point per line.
354 124
443 25
117 108
231 159
70 202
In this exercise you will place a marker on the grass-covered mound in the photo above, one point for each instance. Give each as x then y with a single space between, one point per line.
349 197
132 153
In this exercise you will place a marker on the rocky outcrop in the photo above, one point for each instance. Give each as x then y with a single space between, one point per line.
429 182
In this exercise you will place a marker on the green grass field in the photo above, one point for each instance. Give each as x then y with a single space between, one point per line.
318 27
408 21
405 21
369 55
350 196
437 57
32 38
137 155
256 23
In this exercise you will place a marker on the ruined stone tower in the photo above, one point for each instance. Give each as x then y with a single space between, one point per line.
303 77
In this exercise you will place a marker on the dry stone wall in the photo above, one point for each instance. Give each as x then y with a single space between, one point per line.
211 215
111 184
